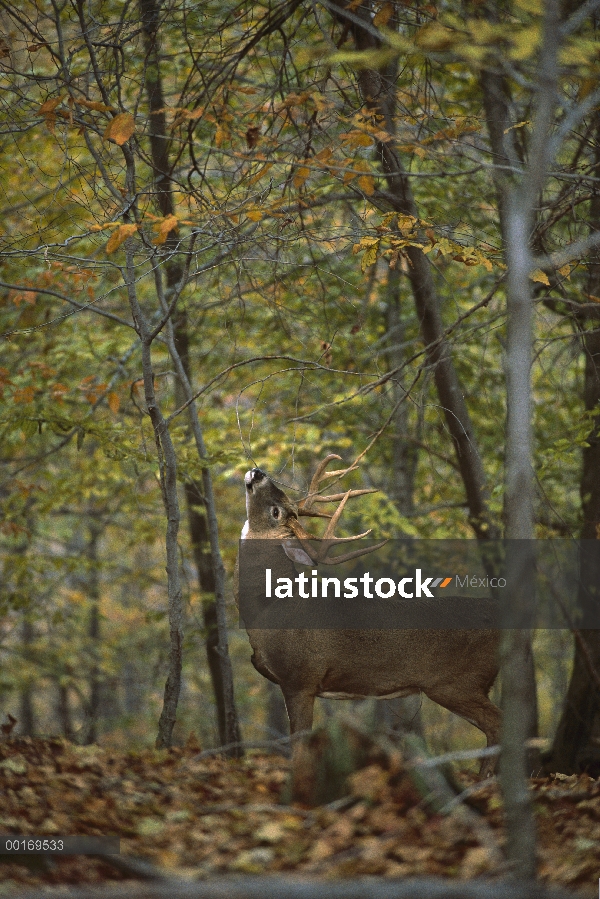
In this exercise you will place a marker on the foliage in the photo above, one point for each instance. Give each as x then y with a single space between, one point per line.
289 256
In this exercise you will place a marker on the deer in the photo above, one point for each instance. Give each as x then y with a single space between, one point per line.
454 668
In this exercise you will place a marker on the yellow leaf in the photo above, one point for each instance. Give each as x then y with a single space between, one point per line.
120 128
113 402
518 125
300 176
263 171
384 15
539 275
119 236
370 257
93 104
255 215
221 134
357 139
406 224
367 184
435 36
565 271
164 228
324 155
525 42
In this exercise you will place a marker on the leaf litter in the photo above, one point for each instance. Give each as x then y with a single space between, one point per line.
204 817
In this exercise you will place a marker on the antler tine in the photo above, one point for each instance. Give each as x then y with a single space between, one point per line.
316 478
312 513
336 560
305 505
320 554
336 517
336 497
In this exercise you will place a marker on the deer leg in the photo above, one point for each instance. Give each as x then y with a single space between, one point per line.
477 710
300 706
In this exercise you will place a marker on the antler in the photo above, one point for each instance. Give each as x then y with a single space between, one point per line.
313 495
321 553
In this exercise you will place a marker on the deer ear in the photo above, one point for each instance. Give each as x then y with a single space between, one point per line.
296 553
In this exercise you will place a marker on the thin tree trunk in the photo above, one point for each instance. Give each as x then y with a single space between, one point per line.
404 455
506 157
516 642
63 711
379 93
168 478
576 743
519 204
93 591
26 715
201 519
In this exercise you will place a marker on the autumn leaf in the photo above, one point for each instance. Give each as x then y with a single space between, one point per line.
384 15
540 276
113 402
24 395
120 128
221 134
300 176
518 125
49 105
369 256
164 228
436 37
367 184
565 271
119 236
96 105
47 109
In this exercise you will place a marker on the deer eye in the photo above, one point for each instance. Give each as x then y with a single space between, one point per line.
276 512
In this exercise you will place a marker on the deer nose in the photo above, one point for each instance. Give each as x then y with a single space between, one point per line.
253 477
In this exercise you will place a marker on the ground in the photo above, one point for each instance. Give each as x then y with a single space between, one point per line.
196 817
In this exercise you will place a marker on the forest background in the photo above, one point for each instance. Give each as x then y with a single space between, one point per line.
244 234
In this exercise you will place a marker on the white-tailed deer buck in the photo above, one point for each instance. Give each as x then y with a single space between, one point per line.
455 668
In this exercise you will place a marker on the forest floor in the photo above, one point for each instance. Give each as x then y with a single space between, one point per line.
207 817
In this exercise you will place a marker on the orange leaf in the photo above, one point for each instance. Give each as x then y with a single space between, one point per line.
120 128
221 134
113 402
367 184
119 236
94 104
384 15
164 228
49 105
24 395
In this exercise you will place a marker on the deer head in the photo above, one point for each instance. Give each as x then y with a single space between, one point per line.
271 515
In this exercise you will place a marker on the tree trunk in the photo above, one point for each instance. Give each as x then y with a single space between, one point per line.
378 88
93 591
576 744
63 711
505 156
26 715
208 564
